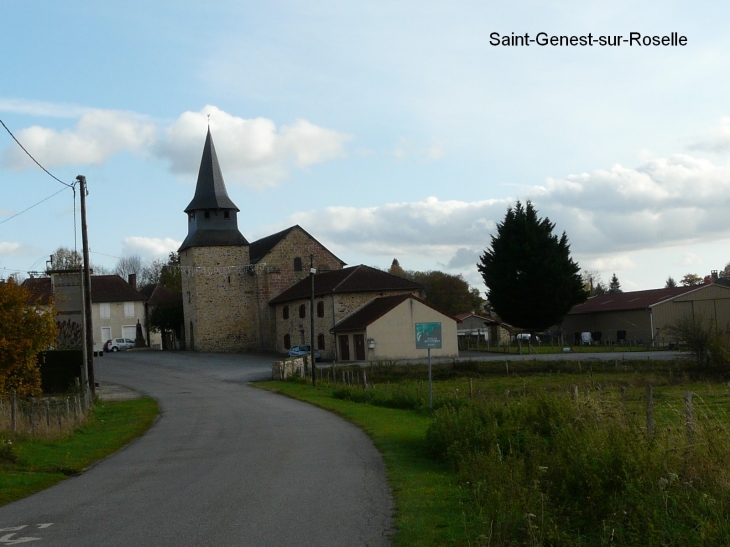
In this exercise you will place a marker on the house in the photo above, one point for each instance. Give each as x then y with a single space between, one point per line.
337 294
228 282
487 329
645 317
386 328
116 307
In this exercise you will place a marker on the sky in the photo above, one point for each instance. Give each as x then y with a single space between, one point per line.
385 129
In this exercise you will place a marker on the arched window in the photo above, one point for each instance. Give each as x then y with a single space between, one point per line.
320 309
287 341
285 312
320 341
297 264
302 311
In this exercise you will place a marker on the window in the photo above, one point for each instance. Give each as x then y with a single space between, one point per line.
207 214
320 341
226 214
104 311
285 312
287 341
129 309
302 311
297 264
320 309
191 217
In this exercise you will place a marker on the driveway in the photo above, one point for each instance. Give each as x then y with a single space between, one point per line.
226 464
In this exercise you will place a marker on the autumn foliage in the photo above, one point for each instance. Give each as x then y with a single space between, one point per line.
25 329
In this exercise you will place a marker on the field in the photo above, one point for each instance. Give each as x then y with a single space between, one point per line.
560 453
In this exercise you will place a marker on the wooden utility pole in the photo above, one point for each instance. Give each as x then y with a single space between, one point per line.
312 271
88 326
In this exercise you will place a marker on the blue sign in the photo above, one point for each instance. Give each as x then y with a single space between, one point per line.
428 335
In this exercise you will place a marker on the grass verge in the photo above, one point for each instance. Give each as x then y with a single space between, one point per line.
429 502
33 465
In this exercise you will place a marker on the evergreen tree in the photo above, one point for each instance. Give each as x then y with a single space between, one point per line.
671 283
532 282
614 286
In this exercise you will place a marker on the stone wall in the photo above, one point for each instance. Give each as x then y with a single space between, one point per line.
219 299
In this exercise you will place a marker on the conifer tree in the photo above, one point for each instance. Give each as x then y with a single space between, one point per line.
614 286
532 282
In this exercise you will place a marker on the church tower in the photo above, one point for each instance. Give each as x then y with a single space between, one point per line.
214 261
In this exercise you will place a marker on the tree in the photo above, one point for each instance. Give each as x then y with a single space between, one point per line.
27 329
127 265
532 282
725 272
395 269
152 272
691 280
592 283
65 259
614 286
671 283
170 275
449 293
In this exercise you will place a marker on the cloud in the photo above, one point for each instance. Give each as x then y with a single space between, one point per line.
407 148
42 108
98 135
717 140
463 258
149 248
612 263
251 151
11 248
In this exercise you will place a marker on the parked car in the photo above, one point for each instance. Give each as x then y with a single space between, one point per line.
298 351
525 337
120 344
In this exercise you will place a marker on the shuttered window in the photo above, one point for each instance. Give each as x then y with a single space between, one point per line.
129 309
104 311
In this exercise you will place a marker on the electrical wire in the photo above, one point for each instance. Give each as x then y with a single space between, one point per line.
35 160
34 205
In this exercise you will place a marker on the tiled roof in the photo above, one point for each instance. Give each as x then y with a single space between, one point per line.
40 288
104 288
112 288
354 279
634 300
156 293
373 310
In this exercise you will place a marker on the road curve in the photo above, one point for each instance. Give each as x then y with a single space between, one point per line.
226 464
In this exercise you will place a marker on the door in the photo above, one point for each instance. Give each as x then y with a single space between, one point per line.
129 331
106 334
359 341
344 347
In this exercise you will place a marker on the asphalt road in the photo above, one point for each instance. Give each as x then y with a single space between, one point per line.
226 464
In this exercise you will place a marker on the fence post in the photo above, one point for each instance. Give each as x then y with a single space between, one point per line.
14 411
574 392
506 397
649 411
690 415
506 365
76 408
471 389
364 380
48 413
623 393
32 412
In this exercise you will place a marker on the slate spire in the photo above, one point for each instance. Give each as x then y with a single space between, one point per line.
212 216
210 191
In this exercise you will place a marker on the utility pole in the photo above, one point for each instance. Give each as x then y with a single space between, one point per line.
312 271
88 326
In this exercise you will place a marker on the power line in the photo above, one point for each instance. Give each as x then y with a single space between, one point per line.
34 205
31 157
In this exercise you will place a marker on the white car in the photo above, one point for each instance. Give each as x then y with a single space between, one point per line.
525 336
120 344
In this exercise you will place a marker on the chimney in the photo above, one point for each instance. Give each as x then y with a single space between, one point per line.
714 275
133 280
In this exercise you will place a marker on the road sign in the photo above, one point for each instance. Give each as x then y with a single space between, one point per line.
428 335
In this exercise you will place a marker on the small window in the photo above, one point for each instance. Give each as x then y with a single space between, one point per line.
207 214
129 309
191 217
297 264
320 341
287 341
104 310
226 214
285 312
302 311
320 309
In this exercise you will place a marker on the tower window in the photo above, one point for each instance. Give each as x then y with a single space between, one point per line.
320 309
297 264
207 214
226 214
285 312
191 217
302 311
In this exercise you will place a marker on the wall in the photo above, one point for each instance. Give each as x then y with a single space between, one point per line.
636 323
218 299
710 303
395 336
116 320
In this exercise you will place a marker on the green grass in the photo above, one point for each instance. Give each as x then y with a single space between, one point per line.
429 502
40 463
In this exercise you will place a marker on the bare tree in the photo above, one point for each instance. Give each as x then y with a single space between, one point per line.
152 273
64 258
127 265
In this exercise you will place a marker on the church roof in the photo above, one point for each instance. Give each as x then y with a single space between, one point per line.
210 191
354 279
261 247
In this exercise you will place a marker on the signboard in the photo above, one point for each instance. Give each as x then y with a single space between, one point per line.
428 335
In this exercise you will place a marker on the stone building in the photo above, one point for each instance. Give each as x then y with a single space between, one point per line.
228 282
